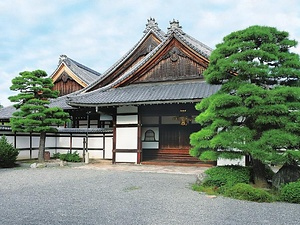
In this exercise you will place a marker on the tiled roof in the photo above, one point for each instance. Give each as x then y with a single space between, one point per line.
61 102
149 93
202 49
6 112
190 41
174 31
194 44
72 130
84 73
84 130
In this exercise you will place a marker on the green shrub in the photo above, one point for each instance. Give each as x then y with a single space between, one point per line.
70 157
56 155
8 154
244 191
209 155
291 192
208 190
226 176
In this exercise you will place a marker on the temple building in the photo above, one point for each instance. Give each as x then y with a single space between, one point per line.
146 99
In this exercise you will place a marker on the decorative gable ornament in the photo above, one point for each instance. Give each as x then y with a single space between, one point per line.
174 26
151 25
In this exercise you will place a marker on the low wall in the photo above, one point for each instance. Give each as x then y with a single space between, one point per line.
99 144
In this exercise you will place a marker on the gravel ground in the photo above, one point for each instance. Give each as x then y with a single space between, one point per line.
89 196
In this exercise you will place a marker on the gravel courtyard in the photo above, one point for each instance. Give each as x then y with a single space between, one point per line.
70 195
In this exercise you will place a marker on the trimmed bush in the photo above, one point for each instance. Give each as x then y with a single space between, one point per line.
8 154
70 157
244 191
291 192
228 176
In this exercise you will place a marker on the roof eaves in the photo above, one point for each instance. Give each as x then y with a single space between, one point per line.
130 103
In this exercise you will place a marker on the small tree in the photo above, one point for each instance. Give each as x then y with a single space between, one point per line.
8 154
33 113
257 110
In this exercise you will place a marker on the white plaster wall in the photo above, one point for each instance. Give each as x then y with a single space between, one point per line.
97 145
96 154
77 142
24 155
63 142
23 142
10 139
127 119
126 157
58 142
224 162
35 153
95 142
50 141
126 137
108 147
36 141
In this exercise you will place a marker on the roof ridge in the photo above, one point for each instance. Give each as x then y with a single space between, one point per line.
152 29
205 51
85 67
179 33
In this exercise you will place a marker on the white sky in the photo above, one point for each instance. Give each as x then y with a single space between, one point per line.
34 33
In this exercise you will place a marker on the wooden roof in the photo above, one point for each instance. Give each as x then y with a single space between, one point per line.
83 75
172 59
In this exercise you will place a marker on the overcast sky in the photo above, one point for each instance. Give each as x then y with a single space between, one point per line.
96 33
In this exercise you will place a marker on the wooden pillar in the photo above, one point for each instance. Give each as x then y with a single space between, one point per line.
103 144
139 144
114 139
15 140
71 142
30 145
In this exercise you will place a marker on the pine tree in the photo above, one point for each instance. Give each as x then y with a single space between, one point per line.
33 113
257 110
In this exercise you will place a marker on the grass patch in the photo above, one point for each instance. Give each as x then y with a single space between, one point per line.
207 190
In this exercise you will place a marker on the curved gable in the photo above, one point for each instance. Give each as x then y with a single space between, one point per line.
148 43
175 60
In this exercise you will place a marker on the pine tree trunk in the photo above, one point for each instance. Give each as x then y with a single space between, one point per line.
41 158
259 174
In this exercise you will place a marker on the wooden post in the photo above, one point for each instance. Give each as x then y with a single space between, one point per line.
139 144
114 140
30 143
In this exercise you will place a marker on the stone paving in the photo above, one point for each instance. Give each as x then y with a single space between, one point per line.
106 165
